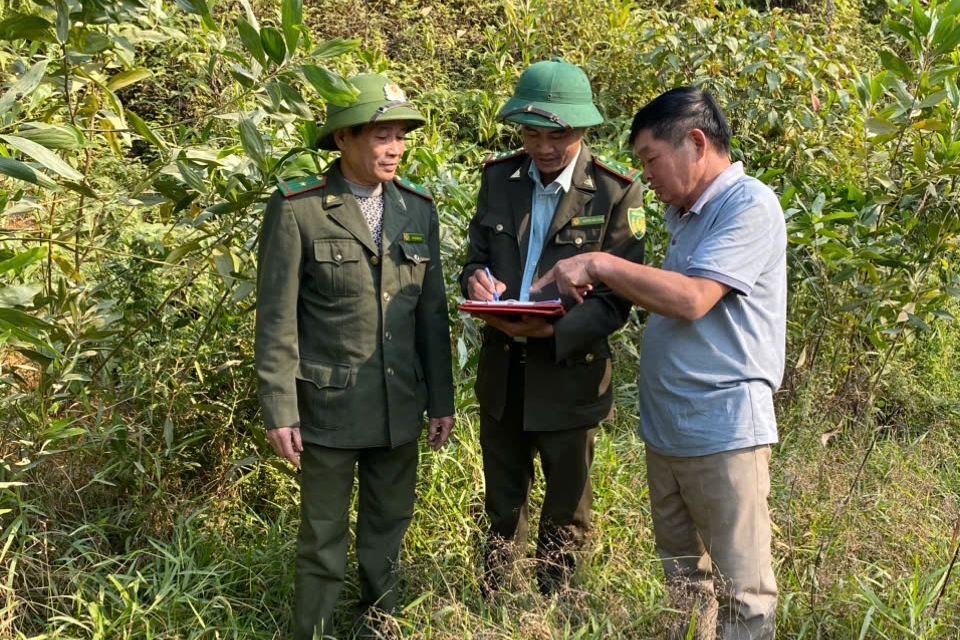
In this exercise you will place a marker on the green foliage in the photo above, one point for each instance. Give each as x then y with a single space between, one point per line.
138 143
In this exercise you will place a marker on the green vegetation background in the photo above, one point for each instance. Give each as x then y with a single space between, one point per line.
138 142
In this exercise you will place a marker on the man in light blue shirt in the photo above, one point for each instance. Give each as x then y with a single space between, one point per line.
712 357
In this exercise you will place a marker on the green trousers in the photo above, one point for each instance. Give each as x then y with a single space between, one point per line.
387 482
508 471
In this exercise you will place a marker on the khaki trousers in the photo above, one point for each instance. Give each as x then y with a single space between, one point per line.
712 532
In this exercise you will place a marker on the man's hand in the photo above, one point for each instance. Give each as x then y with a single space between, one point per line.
439 431
286 442
526 326
482 288
574 276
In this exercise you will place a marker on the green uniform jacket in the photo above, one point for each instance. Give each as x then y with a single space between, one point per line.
567 377
351 347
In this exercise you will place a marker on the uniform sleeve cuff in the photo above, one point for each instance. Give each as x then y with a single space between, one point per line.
440 409
280 411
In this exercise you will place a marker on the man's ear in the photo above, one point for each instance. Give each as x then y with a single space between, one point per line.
339 138
699 142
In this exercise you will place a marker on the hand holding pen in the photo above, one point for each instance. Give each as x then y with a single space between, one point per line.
481 285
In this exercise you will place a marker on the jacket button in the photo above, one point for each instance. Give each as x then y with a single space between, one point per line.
386 296
578 241
416 257
506 347
338 257
389 371
588 357
388 336
374 260
499 227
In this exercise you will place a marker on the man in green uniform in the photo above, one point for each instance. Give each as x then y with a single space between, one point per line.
352 346
544 386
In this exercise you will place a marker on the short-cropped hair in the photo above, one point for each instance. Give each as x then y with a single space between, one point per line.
674 114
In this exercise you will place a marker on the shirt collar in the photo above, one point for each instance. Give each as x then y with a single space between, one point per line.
721 183
563 181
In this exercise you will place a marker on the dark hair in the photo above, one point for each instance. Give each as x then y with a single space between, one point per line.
672 115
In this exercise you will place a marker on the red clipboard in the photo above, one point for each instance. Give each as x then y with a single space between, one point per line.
513 308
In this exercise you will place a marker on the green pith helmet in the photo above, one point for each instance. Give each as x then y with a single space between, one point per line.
552 93
380 100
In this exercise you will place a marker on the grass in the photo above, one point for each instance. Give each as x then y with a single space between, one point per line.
220 564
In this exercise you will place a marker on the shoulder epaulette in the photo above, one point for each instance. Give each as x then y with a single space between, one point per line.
504 155
617 168
300 185
418 189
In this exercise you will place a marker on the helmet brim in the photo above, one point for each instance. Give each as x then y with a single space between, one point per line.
575 115
361 116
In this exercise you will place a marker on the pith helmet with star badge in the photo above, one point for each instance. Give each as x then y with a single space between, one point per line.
379 100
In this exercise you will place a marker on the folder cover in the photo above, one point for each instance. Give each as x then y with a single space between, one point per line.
513 308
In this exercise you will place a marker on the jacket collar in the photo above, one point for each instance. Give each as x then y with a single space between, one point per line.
340 204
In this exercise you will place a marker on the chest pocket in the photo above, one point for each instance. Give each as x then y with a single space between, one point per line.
499 228
414 258
579 237
338 265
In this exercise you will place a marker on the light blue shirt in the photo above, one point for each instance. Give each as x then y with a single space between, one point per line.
707 386
545 201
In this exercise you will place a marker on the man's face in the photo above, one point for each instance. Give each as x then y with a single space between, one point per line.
669 170
551 149
372 155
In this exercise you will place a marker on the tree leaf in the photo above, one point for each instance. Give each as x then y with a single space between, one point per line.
63 20
251 41
177 254
946 36
272 41
24 86
44 156
24 321
20 295
191 177
930 124
126 78
921 21
332 87
52 136
294 100
25 27
200 8
81 188
893 62
292 20
15 329
335 47
141 127
21 171
932 100
252 143
953 10
225 262
880 125
241 75
23 259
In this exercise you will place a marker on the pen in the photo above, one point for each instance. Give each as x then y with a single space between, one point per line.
496 296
